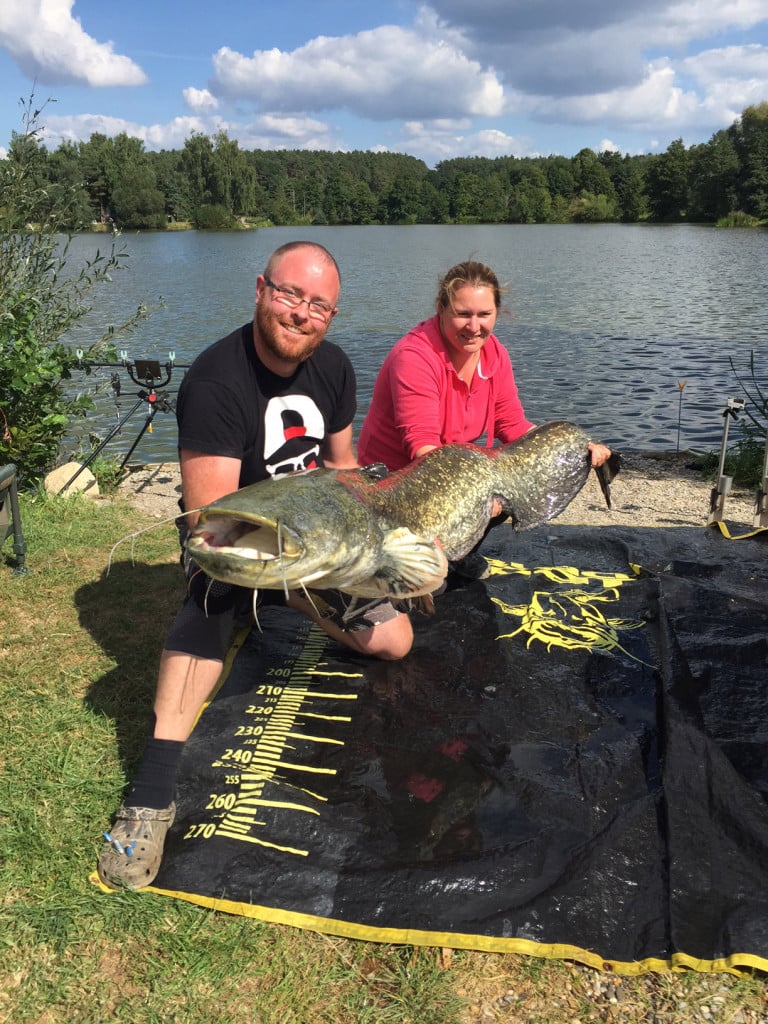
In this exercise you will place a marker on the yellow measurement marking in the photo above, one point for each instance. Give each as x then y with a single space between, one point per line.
328 696
286 804
343 675
246 819
301 768
315 739
262 842
300 789
326 718
244 825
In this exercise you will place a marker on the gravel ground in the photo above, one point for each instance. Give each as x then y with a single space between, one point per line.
662 489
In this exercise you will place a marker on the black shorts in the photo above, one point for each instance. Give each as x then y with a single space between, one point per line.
204 624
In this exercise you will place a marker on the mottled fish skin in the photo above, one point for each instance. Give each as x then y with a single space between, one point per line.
394 536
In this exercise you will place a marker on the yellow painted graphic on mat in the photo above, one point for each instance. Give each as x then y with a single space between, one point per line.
573 617
260 770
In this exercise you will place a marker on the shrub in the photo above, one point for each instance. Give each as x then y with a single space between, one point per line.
737 219
744 460
213 218
41 297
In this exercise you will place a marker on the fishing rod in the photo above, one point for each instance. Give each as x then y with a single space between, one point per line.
143 372
151 378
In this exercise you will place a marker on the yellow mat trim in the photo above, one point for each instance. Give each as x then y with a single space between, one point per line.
737 963
723 528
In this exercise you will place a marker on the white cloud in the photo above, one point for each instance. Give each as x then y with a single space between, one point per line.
731 78
291 127
268 132
607 146
200 100
730 63
701 19
271 132
157 136
384 73
655 101
50 46
435 141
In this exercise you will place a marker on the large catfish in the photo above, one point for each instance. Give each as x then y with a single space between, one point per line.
393 537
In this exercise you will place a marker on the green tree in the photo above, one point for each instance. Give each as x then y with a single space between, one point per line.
435 204
65 169
750 139
468 199
41 296
133 200
198 167
172 183
560 179
589 175
595 197
531 202
137 202
233 181
399 202
97 158
714 178
589 208
628 179
667 183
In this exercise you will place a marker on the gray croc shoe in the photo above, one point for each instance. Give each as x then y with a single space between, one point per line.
132 854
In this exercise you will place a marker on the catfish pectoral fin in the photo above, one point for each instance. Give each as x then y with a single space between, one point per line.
411 565
607 473
424 605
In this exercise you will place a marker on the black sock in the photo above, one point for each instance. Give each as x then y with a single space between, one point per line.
154 784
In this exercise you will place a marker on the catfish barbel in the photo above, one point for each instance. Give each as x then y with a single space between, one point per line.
390 537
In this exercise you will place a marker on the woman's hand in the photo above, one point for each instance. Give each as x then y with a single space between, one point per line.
600 453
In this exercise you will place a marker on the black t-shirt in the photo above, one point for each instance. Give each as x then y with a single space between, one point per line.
230 404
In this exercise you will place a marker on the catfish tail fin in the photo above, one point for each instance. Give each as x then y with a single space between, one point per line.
607 473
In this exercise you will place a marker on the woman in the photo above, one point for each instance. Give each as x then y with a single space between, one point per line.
449 380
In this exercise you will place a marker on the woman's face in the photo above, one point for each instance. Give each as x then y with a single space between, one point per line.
466 324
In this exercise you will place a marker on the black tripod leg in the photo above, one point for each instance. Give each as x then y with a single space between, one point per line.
142 432
94 454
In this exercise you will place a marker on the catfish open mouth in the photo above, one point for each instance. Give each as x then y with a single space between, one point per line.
253 537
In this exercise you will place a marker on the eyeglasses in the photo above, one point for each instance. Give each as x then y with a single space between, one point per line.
290 298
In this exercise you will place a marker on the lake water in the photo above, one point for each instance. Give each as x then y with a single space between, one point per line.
603 320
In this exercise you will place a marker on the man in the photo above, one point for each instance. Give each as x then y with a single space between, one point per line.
271 397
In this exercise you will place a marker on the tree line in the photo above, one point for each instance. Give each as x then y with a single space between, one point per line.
213 183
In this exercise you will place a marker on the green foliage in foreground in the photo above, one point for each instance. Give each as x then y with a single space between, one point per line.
743 461
41 297
80 652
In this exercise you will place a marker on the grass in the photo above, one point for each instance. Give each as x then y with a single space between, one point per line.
744 461
79 652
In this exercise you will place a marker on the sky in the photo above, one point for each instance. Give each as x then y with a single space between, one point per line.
435 80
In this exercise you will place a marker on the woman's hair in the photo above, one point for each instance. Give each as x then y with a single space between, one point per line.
471 273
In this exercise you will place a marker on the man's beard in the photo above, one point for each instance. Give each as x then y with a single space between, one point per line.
294 348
